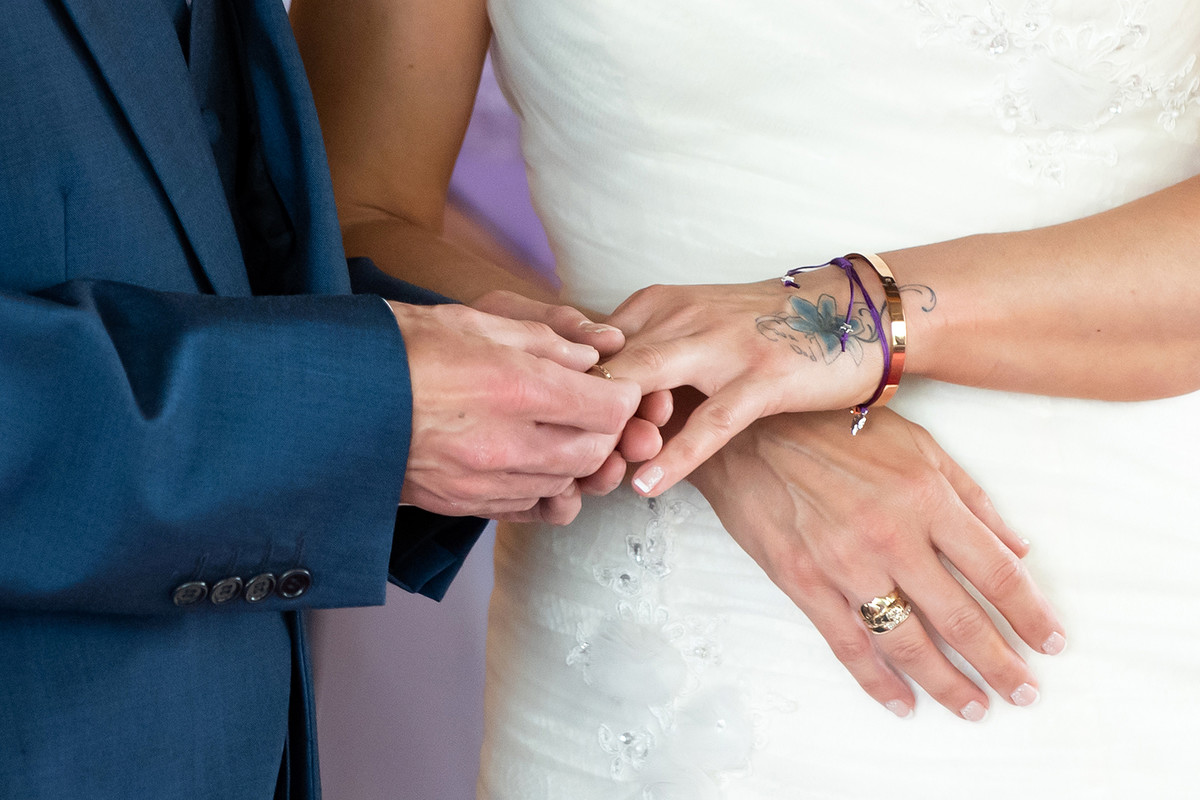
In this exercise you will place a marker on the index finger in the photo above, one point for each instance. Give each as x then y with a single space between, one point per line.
559 396
714 422
537 339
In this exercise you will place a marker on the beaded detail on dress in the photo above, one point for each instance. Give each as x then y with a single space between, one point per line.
692 728
1062 80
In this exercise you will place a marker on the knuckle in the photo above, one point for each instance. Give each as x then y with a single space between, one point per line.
614 415
720 417
926 490
461 451
559 486
595 453
908 652
797 576
651 292
1005 578
966 623
563 316
846 551
484 456
647 356
686 449
562 512
538 330
880 534
974 495
526 505
519 394
838 553
463 492
919 433
851 648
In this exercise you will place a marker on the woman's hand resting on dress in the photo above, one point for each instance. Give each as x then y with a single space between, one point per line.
835 525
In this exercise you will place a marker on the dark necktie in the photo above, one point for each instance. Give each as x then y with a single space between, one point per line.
211 40
215 73
180 13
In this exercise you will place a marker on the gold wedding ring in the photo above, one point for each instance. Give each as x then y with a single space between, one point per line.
601 371
883 614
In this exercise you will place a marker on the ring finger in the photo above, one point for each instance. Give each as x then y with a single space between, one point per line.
910 649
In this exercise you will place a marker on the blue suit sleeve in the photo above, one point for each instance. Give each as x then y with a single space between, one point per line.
149 439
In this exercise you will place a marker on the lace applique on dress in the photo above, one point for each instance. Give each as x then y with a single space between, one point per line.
678 729
1061 82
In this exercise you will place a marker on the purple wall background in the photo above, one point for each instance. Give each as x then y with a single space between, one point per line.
489 177
399 688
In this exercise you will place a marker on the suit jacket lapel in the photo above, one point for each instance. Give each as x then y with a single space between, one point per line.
293 150
141 61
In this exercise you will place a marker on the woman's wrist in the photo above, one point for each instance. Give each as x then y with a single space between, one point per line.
922 317
851 306
888 317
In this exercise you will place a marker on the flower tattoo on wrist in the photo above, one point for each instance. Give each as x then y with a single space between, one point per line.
821 331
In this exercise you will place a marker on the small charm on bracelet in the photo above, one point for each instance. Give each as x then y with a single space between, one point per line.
787 279
858 419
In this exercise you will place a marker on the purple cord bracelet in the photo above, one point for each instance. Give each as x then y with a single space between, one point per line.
859 412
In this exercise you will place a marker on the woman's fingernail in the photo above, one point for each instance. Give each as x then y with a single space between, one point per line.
1026 542
586 351
898 707
649 479
1025 695
595 327
973 711
1054 644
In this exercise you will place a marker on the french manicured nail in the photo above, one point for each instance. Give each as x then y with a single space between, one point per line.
1054 644
973 711
1025 695
898 707
595 327
649 479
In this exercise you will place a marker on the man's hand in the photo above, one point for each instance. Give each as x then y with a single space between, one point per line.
504 414
639 441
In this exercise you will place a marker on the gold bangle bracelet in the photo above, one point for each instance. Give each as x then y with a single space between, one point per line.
897 329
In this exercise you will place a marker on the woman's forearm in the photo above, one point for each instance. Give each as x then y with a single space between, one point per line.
394 82
1100 307
438 261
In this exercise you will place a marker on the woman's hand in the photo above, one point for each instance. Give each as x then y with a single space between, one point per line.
836 523
755 349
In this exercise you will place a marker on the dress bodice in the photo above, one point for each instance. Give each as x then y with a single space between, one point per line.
684 141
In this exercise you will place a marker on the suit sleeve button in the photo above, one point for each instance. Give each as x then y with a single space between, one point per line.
260 587
294 583
225 590
186 594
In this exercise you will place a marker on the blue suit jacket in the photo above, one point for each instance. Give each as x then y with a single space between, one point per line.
158 425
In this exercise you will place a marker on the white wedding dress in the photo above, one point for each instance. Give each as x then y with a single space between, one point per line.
639 654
